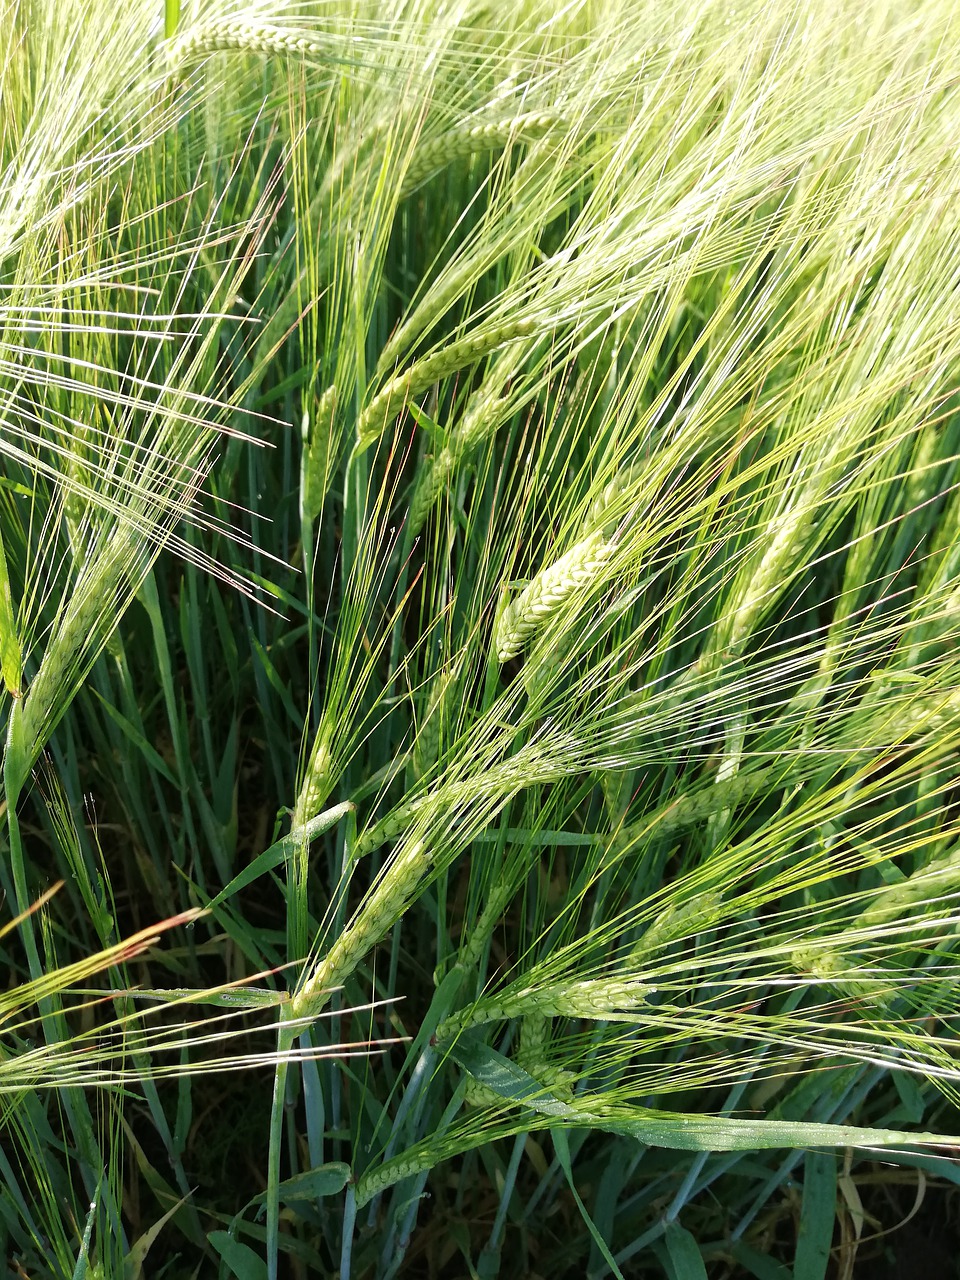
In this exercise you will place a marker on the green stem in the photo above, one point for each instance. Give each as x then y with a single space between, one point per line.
285 1039
171 18
14 776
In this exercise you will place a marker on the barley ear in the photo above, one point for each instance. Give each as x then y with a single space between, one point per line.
478 1095
542 598
317 781
387 404
79 633
938 879
678 920
17 757
605 504
381 909
232 35
390 826
532 1056
479 421
467 140
432 481
827 964
318 453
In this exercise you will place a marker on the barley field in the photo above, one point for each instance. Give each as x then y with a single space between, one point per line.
479 616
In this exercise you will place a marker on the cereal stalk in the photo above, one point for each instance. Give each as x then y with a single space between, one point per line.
11 655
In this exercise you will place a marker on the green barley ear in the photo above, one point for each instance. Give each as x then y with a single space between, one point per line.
18 754
603 999
470 139
389 827
484 413
318 779
545 596
319 453
234 35
534 1039
532 1056
606 508
381 909
604 518
387 404
432 482
676 921
112 571
938 880
827 964
478 1095
615 786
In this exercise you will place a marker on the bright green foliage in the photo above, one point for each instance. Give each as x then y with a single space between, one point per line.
480 563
